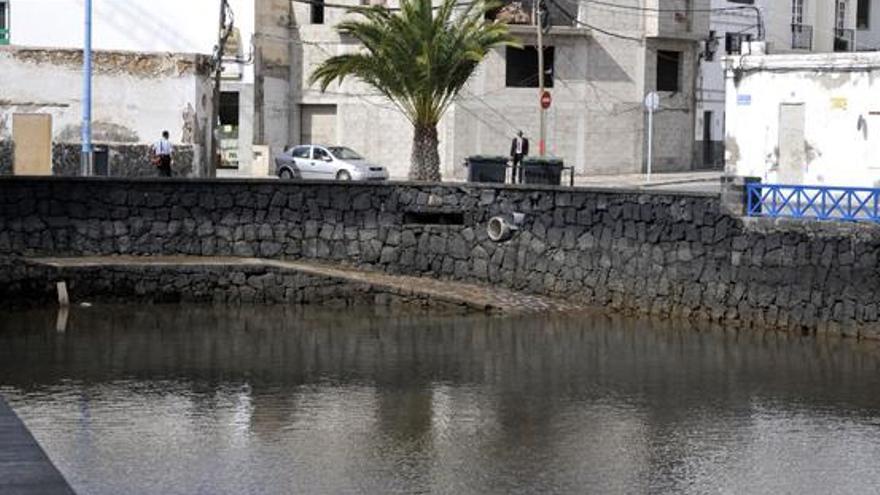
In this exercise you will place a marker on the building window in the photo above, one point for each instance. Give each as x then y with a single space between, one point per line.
317 11
668 70
797 12
863 14
733 42
522 67
4 22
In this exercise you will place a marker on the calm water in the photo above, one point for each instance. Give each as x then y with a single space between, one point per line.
266 400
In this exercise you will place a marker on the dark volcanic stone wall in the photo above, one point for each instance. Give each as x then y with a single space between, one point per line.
7 156
660 253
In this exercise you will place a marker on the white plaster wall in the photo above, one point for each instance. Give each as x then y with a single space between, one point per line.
596 122
842 145
139 106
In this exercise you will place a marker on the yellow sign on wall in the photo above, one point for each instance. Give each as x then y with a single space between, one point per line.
838 103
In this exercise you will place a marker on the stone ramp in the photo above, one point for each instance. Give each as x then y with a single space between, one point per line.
24 467
476 297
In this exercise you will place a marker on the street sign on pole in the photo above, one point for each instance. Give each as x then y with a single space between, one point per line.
652 101
546 100
542 117
652 104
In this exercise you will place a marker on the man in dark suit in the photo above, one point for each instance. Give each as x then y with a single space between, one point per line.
519 148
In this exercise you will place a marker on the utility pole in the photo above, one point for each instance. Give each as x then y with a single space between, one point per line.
86 158
225 30
539 25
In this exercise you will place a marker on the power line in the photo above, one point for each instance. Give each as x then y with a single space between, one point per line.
595 28
330 5
653 9
633 8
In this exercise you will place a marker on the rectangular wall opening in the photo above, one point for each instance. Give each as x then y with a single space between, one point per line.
228 116
522 67
433 218
668 71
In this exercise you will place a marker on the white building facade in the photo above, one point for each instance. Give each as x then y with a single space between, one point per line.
785 26
805 119
602 60
253 111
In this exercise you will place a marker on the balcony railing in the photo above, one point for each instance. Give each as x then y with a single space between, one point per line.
4 36
817 202
844 40
801 37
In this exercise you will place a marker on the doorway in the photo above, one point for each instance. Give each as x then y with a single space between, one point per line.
32 135
792 154
708 145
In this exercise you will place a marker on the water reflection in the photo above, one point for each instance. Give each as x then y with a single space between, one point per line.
280 400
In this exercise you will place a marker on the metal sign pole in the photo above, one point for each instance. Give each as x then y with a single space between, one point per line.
542 112
652 103
86 163
650 141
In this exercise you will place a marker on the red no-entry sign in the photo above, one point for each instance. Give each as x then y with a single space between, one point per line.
546 100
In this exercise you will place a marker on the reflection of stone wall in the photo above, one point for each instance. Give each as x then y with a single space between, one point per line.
125 160
667 254
24 284
7 156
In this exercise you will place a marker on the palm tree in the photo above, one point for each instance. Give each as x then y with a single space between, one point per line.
418 57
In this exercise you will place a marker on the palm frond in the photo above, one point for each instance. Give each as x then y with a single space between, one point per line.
419 57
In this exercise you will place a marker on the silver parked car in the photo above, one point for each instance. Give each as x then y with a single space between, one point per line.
326 162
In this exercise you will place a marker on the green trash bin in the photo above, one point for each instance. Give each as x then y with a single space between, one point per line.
544 170
487 168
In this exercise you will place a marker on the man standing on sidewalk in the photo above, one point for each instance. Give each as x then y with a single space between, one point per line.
518 149
162 155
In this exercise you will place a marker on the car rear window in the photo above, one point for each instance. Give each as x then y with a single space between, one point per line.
300 152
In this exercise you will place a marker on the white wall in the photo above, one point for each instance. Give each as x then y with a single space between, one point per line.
127 107
842 124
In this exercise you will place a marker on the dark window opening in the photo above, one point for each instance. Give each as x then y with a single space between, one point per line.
522 67
227 114
668 70
229 108
749 2
4 23
863 14
433 218
317 11
733 42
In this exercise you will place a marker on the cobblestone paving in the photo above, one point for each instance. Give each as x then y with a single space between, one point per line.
475 296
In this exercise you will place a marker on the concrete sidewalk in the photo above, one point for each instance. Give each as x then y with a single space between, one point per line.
660 180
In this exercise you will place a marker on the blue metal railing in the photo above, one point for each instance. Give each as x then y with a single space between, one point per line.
819 202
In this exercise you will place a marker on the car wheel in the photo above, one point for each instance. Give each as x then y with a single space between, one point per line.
343 175
286 174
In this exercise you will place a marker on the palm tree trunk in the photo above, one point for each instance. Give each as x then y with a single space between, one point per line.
425 165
